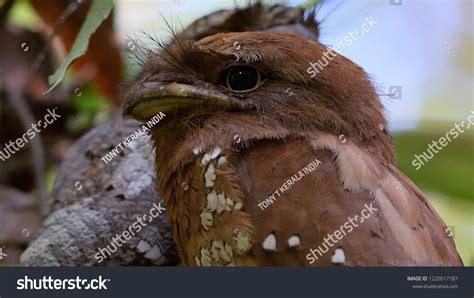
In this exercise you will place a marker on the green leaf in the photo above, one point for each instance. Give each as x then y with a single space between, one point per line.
98 12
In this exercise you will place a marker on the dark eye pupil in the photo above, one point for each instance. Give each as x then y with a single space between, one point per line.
242 78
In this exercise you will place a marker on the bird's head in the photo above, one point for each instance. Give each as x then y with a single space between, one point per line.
266 76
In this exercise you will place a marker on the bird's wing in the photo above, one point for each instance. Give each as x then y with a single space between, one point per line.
347 208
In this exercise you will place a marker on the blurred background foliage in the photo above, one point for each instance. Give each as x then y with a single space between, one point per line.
444 95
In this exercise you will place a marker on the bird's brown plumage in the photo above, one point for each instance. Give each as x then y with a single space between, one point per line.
216 163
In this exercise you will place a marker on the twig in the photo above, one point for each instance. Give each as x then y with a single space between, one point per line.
20 105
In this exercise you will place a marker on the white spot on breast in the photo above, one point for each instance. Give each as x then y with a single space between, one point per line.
206 219
242 242
238 206
212 201
216 247
211 155
294 241
339 257
226 254
221 203
218 202
216 152
210 176
221 251
196 151
228 204
205 257
221 161
270 243
228 251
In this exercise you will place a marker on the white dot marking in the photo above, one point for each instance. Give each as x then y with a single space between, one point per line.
339 257
270 243
294 241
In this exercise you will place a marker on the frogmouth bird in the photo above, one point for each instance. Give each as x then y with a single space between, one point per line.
261 164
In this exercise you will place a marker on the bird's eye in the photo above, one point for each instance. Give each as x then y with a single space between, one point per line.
243 79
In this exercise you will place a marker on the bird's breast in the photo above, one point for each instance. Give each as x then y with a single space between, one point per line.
205 203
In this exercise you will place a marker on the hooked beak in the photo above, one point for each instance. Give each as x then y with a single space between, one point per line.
147 99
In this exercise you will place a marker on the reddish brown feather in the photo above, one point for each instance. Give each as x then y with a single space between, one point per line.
279 135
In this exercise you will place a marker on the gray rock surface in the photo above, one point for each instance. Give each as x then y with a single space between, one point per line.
93 201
